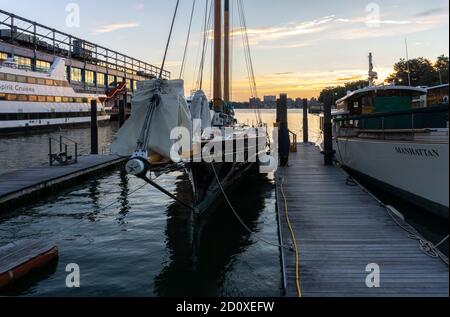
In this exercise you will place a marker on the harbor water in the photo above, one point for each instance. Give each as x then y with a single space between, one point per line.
130 240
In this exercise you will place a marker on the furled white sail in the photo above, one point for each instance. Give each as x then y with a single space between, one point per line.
171 112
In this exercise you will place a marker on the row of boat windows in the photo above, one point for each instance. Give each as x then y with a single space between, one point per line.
44 115
34 98
76 75
26 62
33 80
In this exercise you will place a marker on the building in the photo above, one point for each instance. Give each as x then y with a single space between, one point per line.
255 103
90 68
270 102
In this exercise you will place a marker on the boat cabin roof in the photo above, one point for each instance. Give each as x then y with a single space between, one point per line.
413 91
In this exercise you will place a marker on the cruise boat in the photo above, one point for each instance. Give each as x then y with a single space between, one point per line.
396 137
37 100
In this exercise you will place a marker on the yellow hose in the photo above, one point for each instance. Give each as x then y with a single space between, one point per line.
294 239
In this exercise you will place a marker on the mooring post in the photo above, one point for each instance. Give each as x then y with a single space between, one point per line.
122 105
94 128
305 121
328 132
283 132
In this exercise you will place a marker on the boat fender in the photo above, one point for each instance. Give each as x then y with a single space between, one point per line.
396 213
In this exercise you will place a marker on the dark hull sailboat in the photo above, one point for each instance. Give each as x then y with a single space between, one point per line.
159 108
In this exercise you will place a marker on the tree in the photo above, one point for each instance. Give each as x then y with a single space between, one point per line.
422 73
338 92
441 67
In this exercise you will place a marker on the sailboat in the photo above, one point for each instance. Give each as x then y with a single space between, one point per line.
167 132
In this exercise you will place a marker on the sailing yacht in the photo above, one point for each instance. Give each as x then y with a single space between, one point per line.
218 151
396 137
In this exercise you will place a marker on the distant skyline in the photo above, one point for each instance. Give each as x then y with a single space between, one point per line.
298 47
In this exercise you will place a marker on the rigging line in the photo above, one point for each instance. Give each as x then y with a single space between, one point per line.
250 231
187 40
208 17
250 59
245 48
168 40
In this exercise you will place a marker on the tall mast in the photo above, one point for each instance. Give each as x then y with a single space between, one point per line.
226 58
217 95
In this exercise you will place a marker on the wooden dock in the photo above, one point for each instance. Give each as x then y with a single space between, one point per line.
23 186
341 229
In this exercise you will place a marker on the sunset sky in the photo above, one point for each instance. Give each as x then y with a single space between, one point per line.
298 47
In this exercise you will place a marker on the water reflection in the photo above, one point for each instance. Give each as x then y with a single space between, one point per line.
202 253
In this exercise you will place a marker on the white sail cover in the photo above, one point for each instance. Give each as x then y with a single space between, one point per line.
172 112
200 109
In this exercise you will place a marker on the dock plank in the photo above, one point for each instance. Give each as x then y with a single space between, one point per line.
341 229
33 181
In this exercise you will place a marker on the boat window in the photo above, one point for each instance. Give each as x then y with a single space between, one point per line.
3 56
32 98
78 100
11 97
21 79
100 79
58 99
10 77
75 74
65 99
22 97
2 76
2 96
49 82
41 98
50 99
31 80
89 77
41 81
85 100
42 65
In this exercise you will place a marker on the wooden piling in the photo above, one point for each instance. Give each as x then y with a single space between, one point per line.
122 109
94 128
283 132
328 133
305 121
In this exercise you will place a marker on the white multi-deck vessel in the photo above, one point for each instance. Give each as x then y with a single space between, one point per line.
32 100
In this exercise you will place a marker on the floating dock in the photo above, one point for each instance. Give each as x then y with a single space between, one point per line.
24 186
340 230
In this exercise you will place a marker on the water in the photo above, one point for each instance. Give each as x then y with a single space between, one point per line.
146 245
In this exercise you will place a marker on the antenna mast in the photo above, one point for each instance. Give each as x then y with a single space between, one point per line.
407 62
372 74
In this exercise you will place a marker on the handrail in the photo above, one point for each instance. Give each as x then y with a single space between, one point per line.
62 146
294 141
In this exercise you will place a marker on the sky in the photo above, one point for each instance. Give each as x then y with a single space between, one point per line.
298 47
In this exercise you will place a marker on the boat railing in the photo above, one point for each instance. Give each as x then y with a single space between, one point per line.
406 121
62 157
293 141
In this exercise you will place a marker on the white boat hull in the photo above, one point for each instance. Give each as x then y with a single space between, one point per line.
417 171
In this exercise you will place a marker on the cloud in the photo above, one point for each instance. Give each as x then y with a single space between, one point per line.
108 28
430 12
332 27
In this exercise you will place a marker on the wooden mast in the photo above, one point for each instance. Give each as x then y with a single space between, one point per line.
217 94
226 58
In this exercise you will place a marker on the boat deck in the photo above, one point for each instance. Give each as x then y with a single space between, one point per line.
19 187
340 230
